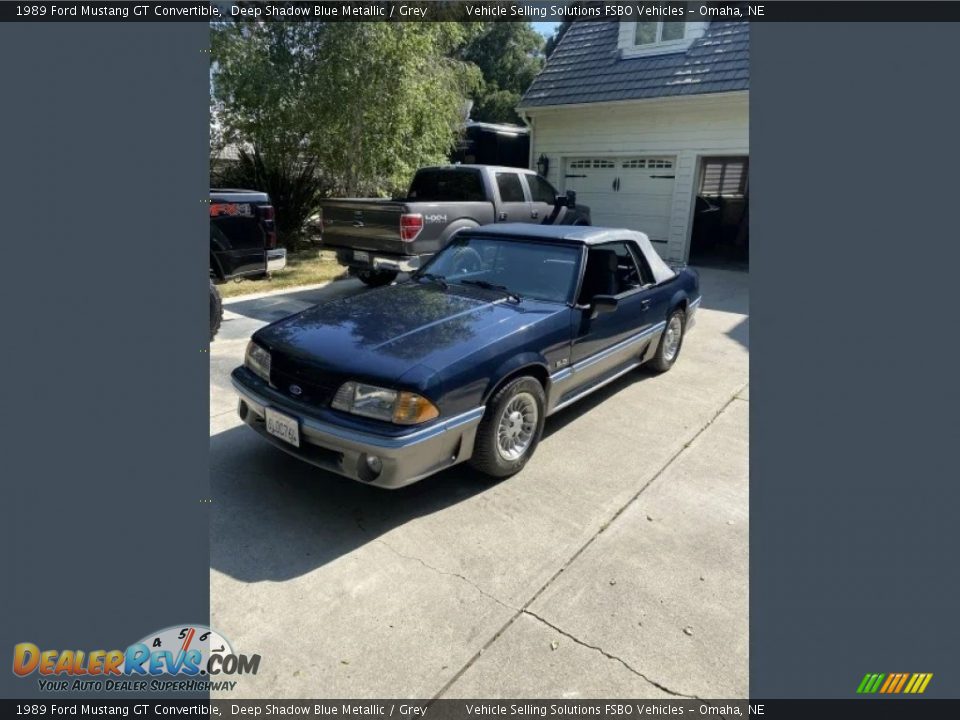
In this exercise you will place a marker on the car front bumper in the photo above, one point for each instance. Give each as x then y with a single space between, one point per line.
405 458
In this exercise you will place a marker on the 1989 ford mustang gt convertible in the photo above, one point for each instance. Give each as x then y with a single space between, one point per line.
464 361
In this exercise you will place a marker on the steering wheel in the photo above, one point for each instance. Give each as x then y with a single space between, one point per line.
466 260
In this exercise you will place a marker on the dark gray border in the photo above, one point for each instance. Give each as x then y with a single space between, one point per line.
854 374
104 298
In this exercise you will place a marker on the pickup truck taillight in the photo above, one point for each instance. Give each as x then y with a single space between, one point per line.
267 215
410 226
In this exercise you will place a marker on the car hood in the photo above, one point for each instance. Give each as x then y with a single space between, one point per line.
384 333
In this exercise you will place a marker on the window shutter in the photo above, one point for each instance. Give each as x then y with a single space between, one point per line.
724 177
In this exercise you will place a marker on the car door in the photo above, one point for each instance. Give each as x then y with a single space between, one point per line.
514 206
605 343
543 198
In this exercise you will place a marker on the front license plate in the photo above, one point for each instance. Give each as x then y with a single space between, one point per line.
283 426
361 256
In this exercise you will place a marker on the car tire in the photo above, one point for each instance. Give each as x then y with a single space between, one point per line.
216 310
376 278
671 341
517 411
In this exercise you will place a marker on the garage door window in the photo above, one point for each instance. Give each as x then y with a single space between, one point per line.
596 163
641 163
509 186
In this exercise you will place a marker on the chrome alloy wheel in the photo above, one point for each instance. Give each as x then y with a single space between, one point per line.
518 422
671 342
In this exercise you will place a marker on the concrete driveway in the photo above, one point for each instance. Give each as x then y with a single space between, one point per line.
614 565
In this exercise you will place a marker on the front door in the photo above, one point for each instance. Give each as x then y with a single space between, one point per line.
607 342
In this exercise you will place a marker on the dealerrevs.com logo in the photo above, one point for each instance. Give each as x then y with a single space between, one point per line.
178 658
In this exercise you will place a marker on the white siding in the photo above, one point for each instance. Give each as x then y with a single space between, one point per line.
687 128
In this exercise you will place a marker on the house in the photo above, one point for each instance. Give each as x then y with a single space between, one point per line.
648 123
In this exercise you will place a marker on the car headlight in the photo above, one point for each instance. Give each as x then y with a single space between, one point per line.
258 360
396 406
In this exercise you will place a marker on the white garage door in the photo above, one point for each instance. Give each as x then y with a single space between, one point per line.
630 192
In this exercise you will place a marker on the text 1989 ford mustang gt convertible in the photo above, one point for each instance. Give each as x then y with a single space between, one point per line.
506 325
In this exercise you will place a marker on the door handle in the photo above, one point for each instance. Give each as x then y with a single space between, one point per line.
534 214
502 216
645 304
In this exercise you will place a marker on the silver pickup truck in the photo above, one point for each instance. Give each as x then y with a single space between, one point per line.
378 238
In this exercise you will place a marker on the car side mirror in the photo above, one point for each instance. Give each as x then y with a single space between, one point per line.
571 198
604 304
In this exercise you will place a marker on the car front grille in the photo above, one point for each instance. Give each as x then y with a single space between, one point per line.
317 386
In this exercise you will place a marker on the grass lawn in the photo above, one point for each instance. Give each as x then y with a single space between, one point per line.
303 268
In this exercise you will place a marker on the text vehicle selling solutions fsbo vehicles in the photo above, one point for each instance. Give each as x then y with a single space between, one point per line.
465 360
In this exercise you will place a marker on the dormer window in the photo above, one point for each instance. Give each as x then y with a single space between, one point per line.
657 33
657 38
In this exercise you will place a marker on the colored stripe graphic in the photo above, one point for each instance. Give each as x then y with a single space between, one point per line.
903 680
894 683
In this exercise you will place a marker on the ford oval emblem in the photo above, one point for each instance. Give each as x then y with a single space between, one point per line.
296 390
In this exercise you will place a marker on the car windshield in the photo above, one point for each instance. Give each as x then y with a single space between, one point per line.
537 270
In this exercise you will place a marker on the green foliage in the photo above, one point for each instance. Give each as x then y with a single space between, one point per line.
509 54
364 103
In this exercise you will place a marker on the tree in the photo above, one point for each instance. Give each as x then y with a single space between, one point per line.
557 36
509 54
366 103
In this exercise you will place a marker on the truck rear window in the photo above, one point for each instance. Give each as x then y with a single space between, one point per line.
439 185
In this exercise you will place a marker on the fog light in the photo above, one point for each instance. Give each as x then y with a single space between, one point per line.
374 464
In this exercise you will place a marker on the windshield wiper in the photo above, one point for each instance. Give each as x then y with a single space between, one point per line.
438 279
491 286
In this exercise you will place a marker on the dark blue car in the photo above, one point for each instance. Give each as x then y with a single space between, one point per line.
464 361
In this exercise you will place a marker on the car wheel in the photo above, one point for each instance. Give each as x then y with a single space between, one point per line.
670 342
376 278
511 428
216 310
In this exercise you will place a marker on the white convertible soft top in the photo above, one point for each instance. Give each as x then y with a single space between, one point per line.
586 235
661 271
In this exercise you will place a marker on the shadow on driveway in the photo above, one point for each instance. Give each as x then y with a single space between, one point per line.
276 517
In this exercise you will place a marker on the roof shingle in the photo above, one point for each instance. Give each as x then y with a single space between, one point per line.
586 67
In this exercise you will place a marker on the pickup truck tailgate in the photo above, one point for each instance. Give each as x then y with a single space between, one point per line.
364 224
